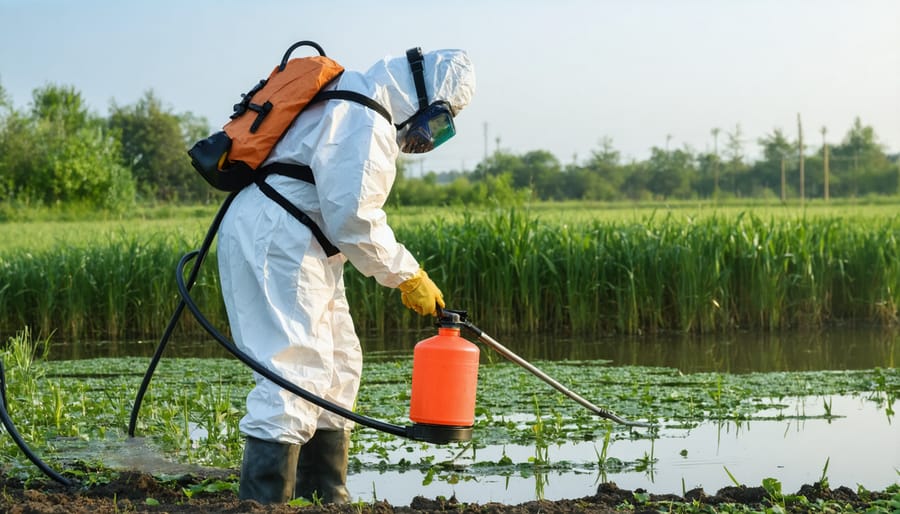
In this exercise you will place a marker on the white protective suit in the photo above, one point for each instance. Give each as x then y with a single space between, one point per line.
284 297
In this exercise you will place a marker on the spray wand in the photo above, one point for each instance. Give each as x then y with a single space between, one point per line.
461 317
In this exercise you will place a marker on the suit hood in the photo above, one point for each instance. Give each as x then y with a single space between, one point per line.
449 76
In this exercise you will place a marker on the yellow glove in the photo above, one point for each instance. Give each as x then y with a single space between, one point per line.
420 294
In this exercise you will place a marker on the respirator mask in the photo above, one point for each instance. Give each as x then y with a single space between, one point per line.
432 124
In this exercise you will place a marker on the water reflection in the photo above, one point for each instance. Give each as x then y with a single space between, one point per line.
793 451
77 350
746 352
832 349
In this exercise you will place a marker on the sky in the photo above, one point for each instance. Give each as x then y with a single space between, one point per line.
561 76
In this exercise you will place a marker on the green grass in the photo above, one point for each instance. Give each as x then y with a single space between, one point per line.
550 268
120 287
42 229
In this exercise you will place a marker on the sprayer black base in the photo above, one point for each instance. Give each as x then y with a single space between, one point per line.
438 434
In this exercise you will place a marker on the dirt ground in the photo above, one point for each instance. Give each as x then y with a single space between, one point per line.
139 492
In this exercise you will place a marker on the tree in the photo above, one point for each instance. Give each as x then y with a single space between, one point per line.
5 102
154 145
705 183
601 178
607 156
861 163
670 173
800 157
771 170
60 154
87 169
540 171
637 181
522 170
497 164
735 169
61 106
13 140
825 163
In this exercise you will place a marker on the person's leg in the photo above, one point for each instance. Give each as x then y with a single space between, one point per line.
278 294
322 467
268 471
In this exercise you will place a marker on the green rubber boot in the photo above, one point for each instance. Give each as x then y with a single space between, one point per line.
322 467
268 471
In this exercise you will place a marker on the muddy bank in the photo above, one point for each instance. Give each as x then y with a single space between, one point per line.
140 492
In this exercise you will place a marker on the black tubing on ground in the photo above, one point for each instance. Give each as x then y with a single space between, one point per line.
20 442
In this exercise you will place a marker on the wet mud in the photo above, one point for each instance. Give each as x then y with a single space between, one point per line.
141 492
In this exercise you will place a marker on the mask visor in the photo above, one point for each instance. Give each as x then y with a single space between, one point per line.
427 129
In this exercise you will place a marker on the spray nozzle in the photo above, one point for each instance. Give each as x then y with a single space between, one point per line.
448 318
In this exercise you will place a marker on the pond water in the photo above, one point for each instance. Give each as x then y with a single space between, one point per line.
859 444
740 352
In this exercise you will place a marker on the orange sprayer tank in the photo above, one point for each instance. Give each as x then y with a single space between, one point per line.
444 382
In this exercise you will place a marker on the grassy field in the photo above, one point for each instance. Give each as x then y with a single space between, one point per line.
40 230
551 267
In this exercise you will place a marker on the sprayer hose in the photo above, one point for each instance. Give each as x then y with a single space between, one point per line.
20 442
184 288
164 340
259 368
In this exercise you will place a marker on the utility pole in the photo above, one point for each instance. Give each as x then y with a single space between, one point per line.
485 141
715 134
800 151
825 160
783 181
484 161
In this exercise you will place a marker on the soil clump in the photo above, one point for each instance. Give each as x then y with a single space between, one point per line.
144 493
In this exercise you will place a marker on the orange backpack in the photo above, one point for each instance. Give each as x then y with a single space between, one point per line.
229 159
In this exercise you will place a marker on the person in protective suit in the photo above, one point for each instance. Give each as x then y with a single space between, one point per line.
285 297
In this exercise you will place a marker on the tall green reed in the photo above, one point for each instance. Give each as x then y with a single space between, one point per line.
123 287
514 271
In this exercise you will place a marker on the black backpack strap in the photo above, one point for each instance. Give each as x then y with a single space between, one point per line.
353 96
296 171
299 215
305 174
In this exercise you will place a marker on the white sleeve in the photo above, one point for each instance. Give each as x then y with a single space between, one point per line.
354 166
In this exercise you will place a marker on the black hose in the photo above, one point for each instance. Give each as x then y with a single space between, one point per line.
4 416
186 301
7 422
262 370
163 341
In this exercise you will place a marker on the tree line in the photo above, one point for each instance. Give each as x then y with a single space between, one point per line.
788 170
57 152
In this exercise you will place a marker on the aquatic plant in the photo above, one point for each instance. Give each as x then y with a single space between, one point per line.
191 411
